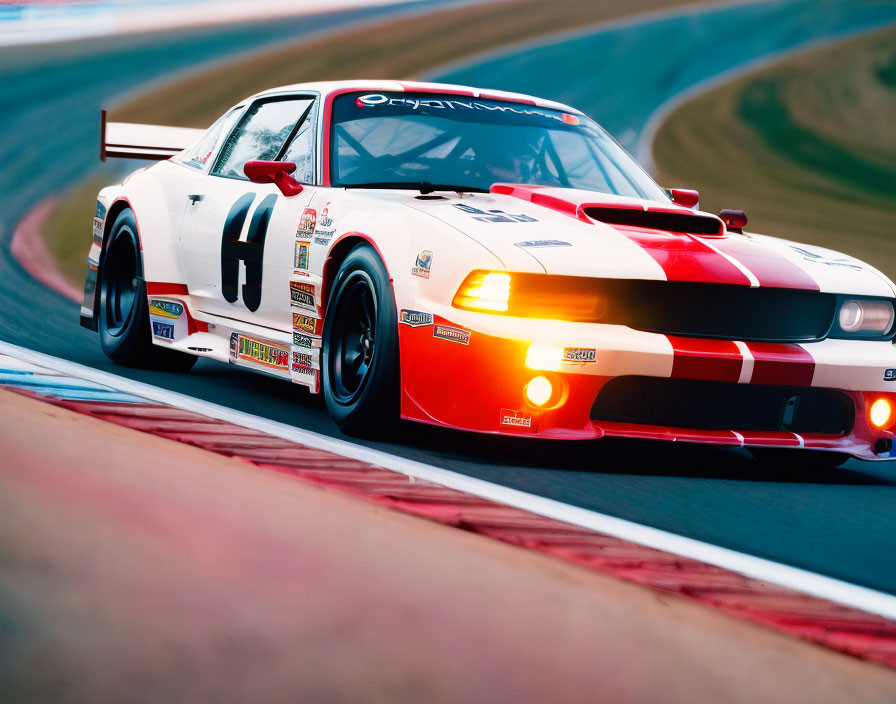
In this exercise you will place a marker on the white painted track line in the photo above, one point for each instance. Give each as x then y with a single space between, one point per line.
817 585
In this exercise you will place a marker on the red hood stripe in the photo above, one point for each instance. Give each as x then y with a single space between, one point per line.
685 258
769 267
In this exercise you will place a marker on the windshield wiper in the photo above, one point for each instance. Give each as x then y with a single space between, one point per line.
422 186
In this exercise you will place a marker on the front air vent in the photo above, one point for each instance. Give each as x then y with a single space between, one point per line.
656 220
720 405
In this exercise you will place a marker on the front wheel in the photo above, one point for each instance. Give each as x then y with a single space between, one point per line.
124 314
360 347
792 458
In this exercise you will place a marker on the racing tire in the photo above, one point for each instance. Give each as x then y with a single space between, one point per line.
798 459
123 309
360 347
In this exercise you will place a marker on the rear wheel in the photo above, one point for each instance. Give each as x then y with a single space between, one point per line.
360 346
798 459
124 314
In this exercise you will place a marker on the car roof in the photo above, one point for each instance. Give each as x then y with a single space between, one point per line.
329 87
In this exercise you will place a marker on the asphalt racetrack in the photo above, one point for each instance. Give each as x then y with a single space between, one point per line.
839 523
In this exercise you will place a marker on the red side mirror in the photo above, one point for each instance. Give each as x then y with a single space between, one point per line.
735 220
277 172
685 197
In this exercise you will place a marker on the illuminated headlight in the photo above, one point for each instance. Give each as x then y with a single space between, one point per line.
866 317
484 290
544 357
531 296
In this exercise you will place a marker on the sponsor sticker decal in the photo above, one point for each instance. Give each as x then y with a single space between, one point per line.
415 318
304 373
372 100
300 340
165 309
307 224
423 265
324 231
889 374
301 255
304 322
234 345
301 294
515 419
493 215
445 332
265 353
819 259
579 355
544 243
301 360
163 330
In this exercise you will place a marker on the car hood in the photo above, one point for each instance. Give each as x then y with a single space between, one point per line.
582 233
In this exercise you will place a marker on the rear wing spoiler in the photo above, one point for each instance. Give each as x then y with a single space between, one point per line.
128 140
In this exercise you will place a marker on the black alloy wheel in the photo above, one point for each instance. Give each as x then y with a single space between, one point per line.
360 346
124 329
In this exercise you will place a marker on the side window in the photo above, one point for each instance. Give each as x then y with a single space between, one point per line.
300 150
198 155
260 134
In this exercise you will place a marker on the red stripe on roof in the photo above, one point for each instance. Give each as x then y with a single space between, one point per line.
411 87
508 99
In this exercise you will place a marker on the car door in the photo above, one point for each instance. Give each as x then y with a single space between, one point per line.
237 238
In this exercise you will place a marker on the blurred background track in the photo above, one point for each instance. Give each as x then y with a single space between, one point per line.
836 523
155 571
807 147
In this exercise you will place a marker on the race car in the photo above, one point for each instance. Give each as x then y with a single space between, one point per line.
486 261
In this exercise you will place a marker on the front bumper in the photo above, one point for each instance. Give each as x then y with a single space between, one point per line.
473 377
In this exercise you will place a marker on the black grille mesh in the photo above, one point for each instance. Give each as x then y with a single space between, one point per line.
715 405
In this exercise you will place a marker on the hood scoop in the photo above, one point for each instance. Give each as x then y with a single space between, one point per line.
691 223
612 210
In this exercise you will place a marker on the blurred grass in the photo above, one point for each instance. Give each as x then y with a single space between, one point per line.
399 48
806 147
68 228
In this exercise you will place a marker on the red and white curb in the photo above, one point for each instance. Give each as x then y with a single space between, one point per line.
829 612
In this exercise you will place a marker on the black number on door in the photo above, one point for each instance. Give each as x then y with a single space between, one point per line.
251 252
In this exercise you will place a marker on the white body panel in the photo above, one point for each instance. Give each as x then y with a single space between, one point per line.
452 234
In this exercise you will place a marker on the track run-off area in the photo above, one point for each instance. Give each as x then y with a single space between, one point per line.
839 525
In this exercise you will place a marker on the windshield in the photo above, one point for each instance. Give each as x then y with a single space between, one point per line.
424 138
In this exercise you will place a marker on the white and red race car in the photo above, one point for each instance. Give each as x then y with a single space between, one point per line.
485 261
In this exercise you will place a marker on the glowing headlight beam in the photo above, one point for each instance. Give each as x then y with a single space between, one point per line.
485 291
880 412
494 291
544 357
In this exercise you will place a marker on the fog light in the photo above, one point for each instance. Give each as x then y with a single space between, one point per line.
544 357
880 413
539 391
